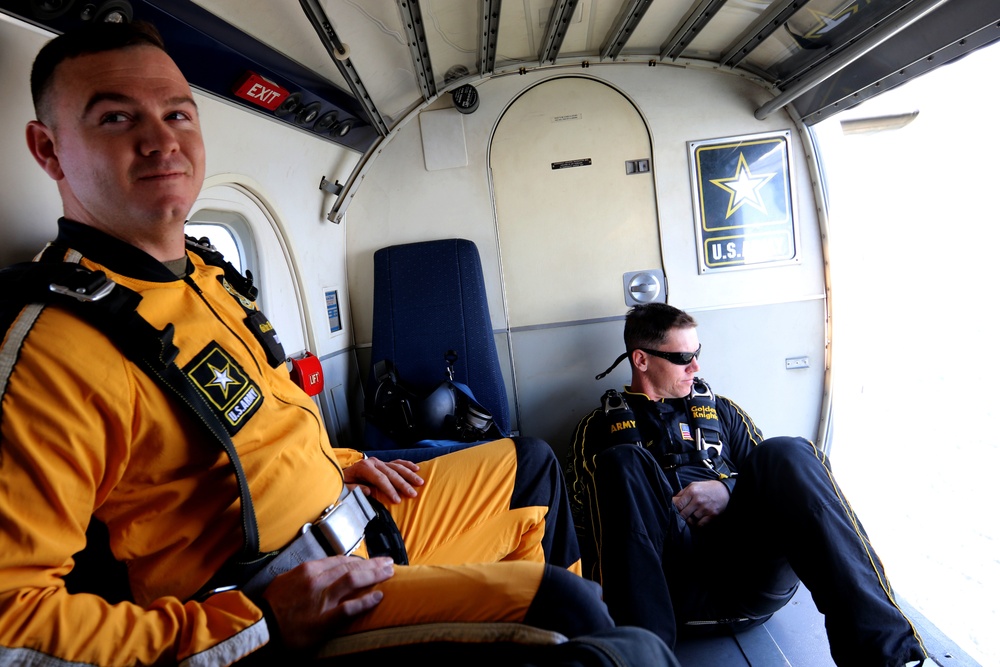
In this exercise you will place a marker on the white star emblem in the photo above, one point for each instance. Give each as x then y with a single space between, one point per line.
744 187
222 379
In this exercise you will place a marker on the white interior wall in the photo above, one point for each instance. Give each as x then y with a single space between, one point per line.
28 198
400 201
283 167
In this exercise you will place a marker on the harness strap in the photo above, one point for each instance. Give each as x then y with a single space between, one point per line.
700 404
704 417
111 308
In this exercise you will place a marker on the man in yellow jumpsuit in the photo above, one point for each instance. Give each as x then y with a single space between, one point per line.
87 435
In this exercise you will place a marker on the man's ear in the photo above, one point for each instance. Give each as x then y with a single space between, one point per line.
639 360
41 143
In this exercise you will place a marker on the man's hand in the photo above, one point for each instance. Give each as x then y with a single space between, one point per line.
700 502
391 478
309 601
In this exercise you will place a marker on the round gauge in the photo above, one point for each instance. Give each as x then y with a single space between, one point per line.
308 114
290 105
465 98
326 121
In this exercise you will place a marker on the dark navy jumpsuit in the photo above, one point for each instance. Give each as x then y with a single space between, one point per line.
786 519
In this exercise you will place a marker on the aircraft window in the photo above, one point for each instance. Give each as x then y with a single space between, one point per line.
230 234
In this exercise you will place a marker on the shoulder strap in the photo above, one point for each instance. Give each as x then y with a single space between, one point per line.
111 308
242 289
622 425
204 249
704 417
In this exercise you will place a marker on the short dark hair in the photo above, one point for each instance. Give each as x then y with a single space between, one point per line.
648 324
92 38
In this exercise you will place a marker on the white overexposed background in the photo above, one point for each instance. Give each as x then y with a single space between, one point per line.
915 238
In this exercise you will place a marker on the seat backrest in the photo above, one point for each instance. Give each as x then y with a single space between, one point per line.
430 298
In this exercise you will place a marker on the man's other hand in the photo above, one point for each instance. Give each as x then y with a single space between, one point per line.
392 479
311 600
700 502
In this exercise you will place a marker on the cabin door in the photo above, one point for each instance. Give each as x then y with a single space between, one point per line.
571 164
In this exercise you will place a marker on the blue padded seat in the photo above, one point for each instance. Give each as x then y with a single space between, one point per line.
429 298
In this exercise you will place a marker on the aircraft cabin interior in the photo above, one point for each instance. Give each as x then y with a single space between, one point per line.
544 164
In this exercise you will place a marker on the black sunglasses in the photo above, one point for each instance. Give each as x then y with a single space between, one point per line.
679 358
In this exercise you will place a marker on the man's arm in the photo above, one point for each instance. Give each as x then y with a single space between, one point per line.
64 430
700 502
739 431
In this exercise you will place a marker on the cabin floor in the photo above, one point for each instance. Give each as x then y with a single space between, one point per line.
795 636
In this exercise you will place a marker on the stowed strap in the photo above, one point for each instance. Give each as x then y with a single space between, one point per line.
621 357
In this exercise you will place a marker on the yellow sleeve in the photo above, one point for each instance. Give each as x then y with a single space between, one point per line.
62 450
348 457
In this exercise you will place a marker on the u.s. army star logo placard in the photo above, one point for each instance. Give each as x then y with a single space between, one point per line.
230 392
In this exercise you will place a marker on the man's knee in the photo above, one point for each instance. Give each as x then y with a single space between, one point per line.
534 453
568 604
786 455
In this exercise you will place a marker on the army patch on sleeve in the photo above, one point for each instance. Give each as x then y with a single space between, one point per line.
230 392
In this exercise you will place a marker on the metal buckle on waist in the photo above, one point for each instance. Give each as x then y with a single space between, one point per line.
341 527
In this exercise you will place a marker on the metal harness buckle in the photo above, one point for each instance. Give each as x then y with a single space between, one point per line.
95 287
701 389
341 526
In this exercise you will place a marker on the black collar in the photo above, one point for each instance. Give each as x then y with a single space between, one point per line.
115 254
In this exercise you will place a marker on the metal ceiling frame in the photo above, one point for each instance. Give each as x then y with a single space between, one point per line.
697 18
416 38
771 20
341 57
555 31
489 31
624 25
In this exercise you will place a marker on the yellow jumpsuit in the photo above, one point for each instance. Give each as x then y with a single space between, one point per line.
86 433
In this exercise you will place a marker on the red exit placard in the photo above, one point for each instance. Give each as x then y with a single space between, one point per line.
258 90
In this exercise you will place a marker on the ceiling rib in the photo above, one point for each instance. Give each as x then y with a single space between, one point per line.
562 13
341 57
699 16
416 38
489 11
624 25
894 24
771 20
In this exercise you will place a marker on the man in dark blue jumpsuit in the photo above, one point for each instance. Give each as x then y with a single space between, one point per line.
677 532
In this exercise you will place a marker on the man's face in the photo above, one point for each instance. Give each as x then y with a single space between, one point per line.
125 143
659 378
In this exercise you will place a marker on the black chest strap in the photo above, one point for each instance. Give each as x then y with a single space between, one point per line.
704 416
111 308
623 428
